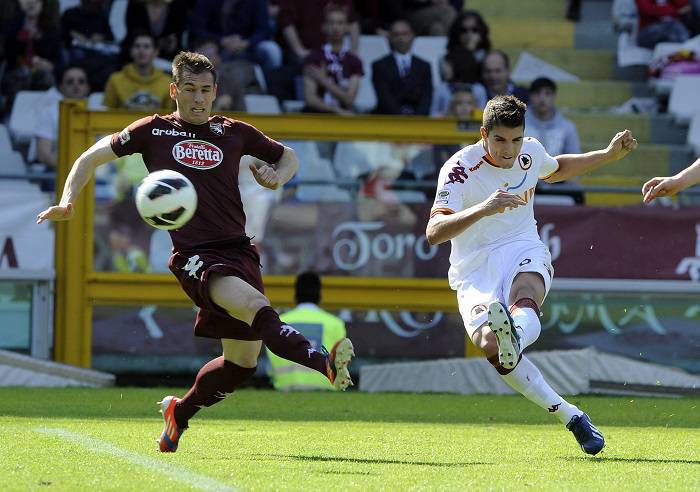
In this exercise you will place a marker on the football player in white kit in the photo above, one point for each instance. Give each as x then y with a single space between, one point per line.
483 205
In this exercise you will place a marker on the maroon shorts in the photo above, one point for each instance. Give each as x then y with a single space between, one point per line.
193 270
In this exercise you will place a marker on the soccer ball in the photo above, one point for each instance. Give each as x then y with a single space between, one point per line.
166 199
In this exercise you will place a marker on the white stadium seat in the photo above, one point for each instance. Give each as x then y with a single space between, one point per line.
684 102
370 48
68 4
431 49
95 100
629 53
694 134
23 118
5 142
117 19
262 104
12 163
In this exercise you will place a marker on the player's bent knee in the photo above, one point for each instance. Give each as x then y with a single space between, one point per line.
485 340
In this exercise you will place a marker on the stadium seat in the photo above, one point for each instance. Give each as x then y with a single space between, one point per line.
23 118
13 163
260 77
117 19
684 101
370 48
431 49
68 4
262 104
349 161
5 142
95 101
694 133
629 53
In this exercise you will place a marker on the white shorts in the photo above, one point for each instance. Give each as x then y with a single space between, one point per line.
493 279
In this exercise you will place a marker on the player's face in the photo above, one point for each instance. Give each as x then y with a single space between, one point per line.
503 144
194 96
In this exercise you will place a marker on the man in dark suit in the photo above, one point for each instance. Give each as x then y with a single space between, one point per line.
402 81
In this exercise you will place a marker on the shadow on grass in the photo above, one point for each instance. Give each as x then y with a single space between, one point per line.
365 461
635 460
353 406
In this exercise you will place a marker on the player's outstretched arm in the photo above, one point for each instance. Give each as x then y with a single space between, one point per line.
81 172
275 175
670 185
443 227
572 165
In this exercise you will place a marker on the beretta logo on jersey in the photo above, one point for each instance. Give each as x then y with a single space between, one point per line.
197 154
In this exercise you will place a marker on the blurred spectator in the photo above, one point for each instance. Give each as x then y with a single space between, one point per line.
661 21
234 79
139 85
301 23
468 43
463 107
332 73
319 326
74 85
165 20
544 122
573 10
495 75
88 38
32 44
429 17
242 28
401 80
557 134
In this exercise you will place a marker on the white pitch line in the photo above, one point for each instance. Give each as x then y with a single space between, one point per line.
175 472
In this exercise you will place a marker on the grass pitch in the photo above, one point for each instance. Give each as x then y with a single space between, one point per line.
87 439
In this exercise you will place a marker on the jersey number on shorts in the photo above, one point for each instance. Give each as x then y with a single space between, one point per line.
193 264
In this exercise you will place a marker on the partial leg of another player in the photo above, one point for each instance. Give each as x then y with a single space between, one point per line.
511 330
246 303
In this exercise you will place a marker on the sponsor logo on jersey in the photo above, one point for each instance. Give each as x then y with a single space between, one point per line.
216 128
442 197
157 132
458 174
525 161
197 154
124 136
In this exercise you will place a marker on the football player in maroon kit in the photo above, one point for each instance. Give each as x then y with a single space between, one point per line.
212 257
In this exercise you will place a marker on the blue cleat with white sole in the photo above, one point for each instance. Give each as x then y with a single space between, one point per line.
587 435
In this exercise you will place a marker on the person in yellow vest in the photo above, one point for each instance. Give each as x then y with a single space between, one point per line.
318 326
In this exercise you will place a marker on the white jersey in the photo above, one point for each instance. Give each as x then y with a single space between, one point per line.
468 178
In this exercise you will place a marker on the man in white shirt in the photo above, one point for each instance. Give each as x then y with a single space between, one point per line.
483 205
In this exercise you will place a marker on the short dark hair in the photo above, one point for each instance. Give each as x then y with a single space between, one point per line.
308 288
502 54
542 83
140 33
194 63
335 7
508 111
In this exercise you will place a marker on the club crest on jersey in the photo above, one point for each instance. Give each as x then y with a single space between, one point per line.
216 128
525 161
477 310
197 154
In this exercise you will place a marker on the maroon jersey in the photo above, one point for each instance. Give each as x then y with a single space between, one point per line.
207 154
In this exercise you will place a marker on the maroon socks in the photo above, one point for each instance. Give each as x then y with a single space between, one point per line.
215 380
283 340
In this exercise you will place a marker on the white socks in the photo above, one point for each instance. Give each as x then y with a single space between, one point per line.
527 380
527 323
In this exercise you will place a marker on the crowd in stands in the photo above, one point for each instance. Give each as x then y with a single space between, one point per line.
303 51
